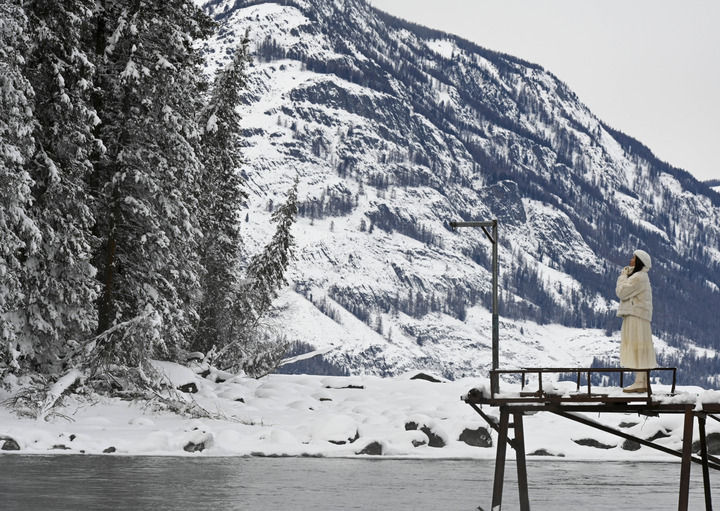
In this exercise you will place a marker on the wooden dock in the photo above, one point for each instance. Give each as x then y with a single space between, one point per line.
586 399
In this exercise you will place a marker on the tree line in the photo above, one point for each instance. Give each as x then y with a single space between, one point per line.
120 196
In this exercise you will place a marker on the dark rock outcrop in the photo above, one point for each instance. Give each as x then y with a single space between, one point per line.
189 388
660 434
426 377
630 445
627 424
9 444
479 437
193 447
434 440
544 452
591 442
713 444
343 442
373 448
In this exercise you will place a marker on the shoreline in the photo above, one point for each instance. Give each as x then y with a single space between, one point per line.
301 416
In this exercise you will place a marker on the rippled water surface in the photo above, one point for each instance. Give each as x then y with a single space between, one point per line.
164 483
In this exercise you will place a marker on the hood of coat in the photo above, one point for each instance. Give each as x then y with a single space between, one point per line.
645 258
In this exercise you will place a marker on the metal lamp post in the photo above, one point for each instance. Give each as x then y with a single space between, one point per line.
493 224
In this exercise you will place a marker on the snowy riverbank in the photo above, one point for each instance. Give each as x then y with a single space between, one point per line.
287 415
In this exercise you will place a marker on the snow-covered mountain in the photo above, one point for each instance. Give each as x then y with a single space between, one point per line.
394 130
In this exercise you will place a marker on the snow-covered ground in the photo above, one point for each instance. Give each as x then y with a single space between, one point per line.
299 415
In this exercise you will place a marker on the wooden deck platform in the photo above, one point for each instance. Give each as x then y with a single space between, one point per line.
567 403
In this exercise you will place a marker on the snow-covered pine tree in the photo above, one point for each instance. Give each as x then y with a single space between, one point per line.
18 233
255 350
60 287
266 271
149 177
220 204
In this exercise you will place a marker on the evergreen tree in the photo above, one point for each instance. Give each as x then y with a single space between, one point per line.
148 180
252 349
266 271
60 286
220 203
18 233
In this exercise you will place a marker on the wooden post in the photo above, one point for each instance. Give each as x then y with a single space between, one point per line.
588 382
495 301
519 445
500 460
704 455
686 457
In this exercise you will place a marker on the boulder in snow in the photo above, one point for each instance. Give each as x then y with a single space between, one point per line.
193 447
625 424
349 440
713 444
434 439
176 375
343 382
630 445
189 388
373 449
545 452
661 433
426 377
197 440
591 442
479 437
8 444
336 429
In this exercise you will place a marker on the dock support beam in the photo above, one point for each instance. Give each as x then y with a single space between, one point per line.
500 460
686 457
704 455
519 445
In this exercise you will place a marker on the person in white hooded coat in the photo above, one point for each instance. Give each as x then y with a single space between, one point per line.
635 294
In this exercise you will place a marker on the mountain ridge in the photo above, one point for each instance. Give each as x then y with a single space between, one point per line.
393 134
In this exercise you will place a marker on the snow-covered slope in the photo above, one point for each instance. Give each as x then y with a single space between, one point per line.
394 130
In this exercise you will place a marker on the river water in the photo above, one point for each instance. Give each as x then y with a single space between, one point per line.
76 482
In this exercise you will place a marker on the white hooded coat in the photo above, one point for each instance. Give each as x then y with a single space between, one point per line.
635 294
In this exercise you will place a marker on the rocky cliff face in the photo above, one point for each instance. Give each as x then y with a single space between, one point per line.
396 129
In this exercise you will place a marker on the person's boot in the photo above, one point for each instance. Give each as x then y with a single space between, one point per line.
640 384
